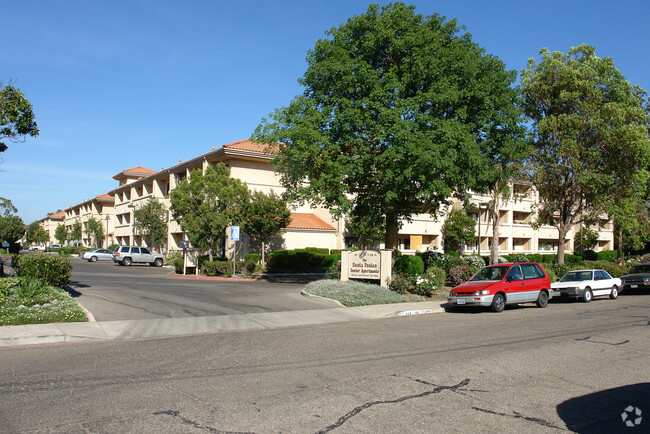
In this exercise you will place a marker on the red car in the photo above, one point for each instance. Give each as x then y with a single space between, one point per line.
498 285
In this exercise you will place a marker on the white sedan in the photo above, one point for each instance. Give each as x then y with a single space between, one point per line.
97 255
586 284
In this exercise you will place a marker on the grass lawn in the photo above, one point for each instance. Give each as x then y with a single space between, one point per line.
30 301
352 293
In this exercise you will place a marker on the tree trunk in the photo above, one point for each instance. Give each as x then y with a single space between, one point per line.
262 252
561 241
494 248
620 244
391 231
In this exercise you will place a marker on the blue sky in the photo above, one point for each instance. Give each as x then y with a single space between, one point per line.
117 84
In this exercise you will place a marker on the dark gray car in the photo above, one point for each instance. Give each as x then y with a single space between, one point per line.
637 278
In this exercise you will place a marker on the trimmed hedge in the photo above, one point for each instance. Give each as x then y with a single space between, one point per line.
409 265
252 257
53 270
224 268
300 259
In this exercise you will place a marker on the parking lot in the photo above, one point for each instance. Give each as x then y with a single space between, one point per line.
111 292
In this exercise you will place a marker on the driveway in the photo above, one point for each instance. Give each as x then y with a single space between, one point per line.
111 292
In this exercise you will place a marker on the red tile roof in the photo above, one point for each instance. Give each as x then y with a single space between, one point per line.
249 145
308 221
106 196
134 171
57 215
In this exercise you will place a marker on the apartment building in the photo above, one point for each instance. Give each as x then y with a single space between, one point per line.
309 227
100 208
50 223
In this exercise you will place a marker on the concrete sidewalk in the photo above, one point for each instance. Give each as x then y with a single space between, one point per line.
157 328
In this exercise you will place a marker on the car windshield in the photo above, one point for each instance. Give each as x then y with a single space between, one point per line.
490 273
576 276
643 268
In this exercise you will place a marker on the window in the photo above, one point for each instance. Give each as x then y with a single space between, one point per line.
515 273
144 251
532 271
135 250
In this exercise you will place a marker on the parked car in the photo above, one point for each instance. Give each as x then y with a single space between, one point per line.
97 255
586 284
496 286
54 246
637 278
127 255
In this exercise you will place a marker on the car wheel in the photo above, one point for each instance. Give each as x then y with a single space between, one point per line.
93 259
614 294
542 299
498 303
588 295
126 261
158 262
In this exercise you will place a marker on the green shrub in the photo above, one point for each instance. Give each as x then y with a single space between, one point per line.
409 265
534 257
517 258
607 255
433 259
252 257
558 269
401 283
572 259
549 259
452 261
333 272
178 264
611 267
321 251
551 275
300 260
590 255
53 270
475 261
458 275
432 280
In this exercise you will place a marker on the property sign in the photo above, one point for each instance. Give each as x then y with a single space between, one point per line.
234 233
365 264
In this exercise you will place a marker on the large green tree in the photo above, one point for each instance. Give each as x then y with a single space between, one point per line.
12 228
75 232
459 229
399 113
30 233
60 233
264 217
206 204
589 129
16 116
150 221
94 231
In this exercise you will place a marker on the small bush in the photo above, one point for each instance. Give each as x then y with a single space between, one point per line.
549 259
53 270
612 268
458 275
432 280
452 261
252 257
474 261
402 284
177 263
517 258
409 265
534 257
433 259
333 272
590 255
572 259
607 255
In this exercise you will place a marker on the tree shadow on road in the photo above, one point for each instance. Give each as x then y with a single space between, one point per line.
622 409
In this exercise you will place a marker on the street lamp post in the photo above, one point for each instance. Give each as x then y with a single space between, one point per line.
106 237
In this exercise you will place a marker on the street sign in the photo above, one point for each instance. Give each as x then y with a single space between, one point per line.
234 233
184 244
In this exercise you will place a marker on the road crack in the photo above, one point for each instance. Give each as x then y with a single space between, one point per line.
437 389
517 415
176 415
588 339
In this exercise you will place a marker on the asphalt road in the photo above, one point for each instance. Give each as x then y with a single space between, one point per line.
569 367
111 292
